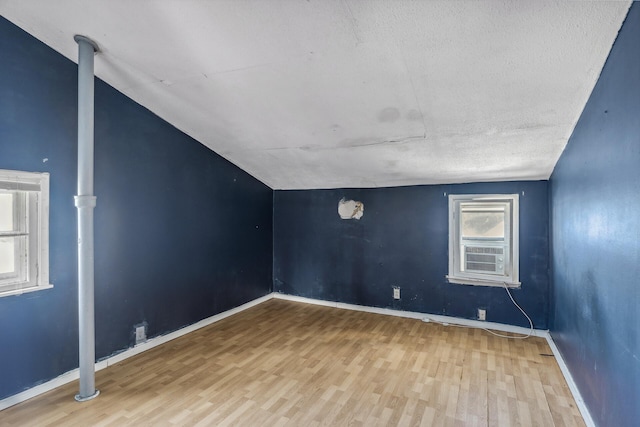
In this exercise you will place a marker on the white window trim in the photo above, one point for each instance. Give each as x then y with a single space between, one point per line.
36 184
511 277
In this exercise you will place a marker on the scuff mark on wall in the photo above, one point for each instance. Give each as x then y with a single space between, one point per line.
350 209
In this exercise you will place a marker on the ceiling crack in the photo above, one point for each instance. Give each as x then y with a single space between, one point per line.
353 21
415 95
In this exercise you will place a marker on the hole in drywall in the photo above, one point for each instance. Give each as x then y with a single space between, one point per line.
350 209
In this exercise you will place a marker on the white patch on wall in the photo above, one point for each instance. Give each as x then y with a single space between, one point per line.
350 209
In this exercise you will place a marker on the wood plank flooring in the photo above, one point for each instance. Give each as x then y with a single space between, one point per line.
283 363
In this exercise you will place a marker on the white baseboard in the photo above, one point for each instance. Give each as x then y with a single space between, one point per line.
73 375
154 342
586 415
63 379
416 315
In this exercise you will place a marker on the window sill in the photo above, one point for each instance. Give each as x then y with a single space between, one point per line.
482 282
24 290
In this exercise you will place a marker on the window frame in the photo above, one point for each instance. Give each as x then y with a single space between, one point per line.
509 203
31 214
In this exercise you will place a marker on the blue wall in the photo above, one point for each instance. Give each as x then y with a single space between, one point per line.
595 216
402 240
181 234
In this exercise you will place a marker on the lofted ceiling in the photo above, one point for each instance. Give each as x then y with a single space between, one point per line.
308 94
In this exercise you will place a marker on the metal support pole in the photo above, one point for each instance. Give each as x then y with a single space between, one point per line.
85 202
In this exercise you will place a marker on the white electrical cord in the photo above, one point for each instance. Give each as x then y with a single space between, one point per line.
518 337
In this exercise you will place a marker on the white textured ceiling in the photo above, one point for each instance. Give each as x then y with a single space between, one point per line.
351 93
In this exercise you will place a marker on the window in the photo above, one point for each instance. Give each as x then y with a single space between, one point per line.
483 240
24 232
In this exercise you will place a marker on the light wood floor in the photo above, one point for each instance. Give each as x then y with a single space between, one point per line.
291 364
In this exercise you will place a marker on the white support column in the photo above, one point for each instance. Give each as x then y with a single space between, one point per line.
85 201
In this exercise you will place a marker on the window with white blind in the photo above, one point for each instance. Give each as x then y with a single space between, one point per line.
483 240
24 232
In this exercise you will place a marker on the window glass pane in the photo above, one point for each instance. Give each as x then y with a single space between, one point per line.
24 231
6 212
479 224
7 255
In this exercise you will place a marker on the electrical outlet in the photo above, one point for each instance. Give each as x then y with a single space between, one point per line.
396 292
482 314
141 334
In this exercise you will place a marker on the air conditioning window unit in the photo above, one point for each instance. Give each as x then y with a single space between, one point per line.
484 259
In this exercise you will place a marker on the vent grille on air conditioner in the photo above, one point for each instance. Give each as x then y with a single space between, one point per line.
484 259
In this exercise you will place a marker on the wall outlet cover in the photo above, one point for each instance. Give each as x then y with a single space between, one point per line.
141 334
